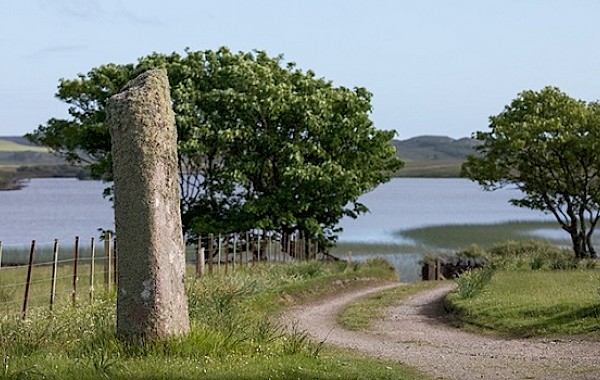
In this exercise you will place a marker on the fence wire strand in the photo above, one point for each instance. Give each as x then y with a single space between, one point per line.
51 260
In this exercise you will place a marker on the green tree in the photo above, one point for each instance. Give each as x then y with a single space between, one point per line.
547 145
261 143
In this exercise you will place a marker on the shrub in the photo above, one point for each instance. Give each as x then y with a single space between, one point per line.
533 255
474 251
472 282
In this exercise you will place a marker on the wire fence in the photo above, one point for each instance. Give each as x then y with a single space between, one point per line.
50 274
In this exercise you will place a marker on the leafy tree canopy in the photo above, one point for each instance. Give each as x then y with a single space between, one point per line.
546 144
262 144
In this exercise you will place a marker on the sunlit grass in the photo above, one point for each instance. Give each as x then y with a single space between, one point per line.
233 334
533 303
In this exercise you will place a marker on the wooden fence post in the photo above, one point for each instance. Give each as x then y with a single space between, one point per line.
115 256
270 250
200 259
28 283
286 246
226 243
283 248
247 247
211 254
54 270
0 254
253 247
107 260
265 241
219 254
75 266
257 248
234 243
92 267
241 260
233 250
297 256
438 269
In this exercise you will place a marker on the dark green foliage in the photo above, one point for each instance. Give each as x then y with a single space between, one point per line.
529 255
262 144
546 144
10 181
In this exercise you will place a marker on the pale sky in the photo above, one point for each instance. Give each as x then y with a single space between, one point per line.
436 67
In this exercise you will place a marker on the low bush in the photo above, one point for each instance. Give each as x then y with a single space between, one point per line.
472 282
528 255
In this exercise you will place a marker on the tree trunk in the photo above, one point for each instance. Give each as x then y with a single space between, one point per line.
578 244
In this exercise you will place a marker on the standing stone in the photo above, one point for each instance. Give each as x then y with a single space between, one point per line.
151 300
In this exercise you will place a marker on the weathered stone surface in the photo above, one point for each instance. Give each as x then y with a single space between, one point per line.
151 267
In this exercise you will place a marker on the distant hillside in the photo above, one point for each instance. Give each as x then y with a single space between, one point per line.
424 156
17 139
17 151
433 156
19 144
434 148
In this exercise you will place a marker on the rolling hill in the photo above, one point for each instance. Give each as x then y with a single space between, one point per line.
424 156
434 148
17 151
19 144
433 156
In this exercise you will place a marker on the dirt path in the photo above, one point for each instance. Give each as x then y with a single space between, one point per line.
413 333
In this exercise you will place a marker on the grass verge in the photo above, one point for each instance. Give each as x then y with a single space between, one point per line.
526 303
361 315
233 334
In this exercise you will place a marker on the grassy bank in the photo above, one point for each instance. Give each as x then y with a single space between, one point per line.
528 289
533 303
233 334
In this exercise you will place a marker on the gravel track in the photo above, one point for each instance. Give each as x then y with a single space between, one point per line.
414 333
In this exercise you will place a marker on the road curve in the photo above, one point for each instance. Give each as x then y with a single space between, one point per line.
413 333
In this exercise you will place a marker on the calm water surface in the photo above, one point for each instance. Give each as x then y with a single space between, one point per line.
406 203
49 209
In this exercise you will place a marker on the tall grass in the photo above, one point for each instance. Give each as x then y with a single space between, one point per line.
472 282
233 335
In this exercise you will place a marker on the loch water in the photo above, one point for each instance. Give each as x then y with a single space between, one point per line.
58 208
